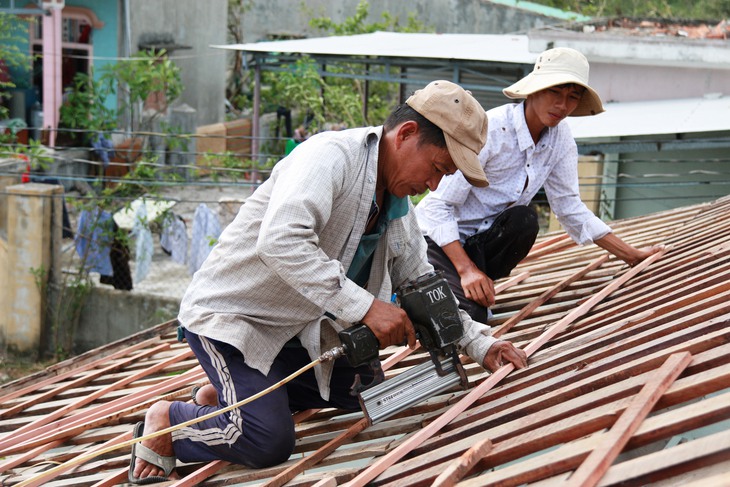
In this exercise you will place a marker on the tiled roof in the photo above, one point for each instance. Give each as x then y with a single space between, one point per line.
628 384
658 28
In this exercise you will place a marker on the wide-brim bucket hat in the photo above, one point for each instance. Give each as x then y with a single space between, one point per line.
559 66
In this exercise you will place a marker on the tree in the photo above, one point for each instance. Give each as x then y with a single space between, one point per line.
12 30
338 100
236 85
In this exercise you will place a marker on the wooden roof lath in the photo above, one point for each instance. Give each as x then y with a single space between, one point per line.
628 384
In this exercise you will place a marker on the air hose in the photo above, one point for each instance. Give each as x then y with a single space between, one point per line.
327 356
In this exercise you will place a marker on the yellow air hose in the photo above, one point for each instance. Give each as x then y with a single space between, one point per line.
38 479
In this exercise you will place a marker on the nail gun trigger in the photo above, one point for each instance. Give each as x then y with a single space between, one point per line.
378 377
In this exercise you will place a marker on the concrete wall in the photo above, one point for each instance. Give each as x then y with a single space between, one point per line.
198 25
640 68
630 82
110 315
27 262
269 18
31 242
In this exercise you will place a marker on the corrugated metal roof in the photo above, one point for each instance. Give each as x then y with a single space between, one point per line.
681 116
472 47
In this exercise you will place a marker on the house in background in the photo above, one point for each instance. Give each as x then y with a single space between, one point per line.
664 139
661 145
68 37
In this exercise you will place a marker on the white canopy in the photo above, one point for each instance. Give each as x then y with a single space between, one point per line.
472 47
681 116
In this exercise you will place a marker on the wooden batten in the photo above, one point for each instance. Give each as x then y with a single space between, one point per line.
628 383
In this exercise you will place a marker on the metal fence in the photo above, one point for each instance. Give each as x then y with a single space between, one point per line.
143 217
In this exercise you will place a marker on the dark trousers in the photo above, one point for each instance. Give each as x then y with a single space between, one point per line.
261 433
495 251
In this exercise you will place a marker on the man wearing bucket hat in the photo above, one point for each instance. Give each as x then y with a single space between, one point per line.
320 245
476 235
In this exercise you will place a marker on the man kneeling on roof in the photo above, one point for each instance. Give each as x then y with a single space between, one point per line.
322 244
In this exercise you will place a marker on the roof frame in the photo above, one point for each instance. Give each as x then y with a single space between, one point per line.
468 70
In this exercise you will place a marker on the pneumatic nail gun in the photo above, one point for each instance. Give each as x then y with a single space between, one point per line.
434 312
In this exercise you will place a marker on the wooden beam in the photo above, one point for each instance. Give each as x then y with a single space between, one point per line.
380 465
461 466
29 389
545 297
74 425
39 398
598 462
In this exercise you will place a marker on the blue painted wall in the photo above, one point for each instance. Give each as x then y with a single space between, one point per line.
105 42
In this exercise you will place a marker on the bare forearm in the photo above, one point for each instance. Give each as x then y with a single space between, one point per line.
624 251
458 256
476 284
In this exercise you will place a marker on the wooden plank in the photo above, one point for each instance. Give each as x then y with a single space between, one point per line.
55 471
592 301
117 478
569 380
197 477
545 297
655 309
328 481
664 425
38 427
36 399
316 457
665 463
71 372
380 465
13 462
461 466
149 335
554 244
711 310
74 425
539 407
714 475
598 462
668 309
512 281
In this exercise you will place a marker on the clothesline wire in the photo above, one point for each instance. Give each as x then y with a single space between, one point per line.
537 200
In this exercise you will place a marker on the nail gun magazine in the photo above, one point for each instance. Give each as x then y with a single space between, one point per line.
434 312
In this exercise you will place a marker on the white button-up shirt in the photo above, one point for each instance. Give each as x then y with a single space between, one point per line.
279 269
516 168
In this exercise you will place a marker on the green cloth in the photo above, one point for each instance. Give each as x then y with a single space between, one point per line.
359 270
290 145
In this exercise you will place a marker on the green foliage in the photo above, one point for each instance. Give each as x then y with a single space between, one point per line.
229 165
668 9
357 23
13 29
135 79
139 77
84 108
34 153
417 198
64 316
338 98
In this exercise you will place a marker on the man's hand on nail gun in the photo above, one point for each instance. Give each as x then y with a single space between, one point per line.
390 324
502 352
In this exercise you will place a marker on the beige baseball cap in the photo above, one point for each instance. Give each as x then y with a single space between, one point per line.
559 66
463 121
